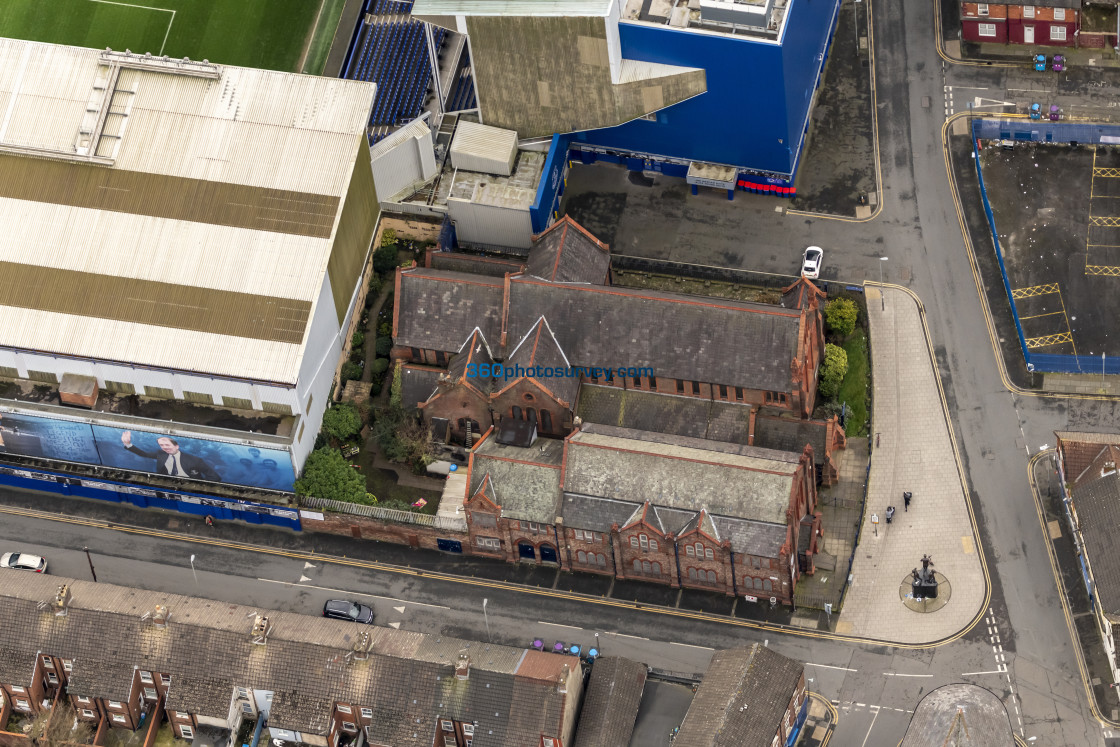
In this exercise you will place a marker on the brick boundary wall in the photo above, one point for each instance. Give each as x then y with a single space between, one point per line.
363 527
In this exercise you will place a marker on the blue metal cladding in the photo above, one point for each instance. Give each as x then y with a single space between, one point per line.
756 108
551 186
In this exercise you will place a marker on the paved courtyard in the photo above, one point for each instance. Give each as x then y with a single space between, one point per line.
915 453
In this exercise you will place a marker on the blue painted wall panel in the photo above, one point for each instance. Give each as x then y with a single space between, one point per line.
552 183
758 97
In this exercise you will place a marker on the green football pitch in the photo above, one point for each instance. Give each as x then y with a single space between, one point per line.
253 33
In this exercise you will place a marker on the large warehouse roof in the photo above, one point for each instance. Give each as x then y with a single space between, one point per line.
169 214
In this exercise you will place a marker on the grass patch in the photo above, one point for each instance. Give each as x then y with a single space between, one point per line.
324 35
252 33
854 388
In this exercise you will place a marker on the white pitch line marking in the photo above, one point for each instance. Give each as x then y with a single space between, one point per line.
829 666
352 593
146 7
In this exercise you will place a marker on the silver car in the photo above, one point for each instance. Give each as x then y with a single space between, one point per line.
22 561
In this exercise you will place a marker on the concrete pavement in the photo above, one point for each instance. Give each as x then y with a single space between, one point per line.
914 452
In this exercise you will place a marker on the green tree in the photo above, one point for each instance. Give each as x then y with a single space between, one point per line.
351 371
380 366
328 475
395 390
357 340
833 369
388 237
382 346
841 315
342 421
385 258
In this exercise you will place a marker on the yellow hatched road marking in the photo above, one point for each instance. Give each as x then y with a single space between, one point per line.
1110 221
1047 340
1034 290
1107 270
1105 171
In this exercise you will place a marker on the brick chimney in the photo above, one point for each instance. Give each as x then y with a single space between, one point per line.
462 666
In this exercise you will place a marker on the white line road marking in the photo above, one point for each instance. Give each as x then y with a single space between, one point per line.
395 626
689 645
869 728
898 674
875 708
995 650
308 565
1000 648
993 671
400 609
353 593
829 666
623 635
969 88
861 705
558 625
304 578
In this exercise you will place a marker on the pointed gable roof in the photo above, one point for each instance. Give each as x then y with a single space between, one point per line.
475 350
540 350
566 252
645 514
803 292
703 522
486 492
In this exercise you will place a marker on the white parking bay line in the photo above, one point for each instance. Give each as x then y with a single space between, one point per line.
354 593
558 625
829 666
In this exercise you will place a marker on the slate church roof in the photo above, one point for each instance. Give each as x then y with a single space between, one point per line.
566 252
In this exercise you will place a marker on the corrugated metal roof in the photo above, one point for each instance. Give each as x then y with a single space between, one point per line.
479 147
415 128
511 7
232 185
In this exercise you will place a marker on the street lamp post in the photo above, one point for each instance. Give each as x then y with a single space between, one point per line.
882 297
194 571
88 558
486 617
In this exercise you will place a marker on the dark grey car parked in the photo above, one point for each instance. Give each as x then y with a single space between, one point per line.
342 609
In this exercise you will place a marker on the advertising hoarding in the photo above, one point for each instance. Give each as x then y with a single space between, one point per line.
146 451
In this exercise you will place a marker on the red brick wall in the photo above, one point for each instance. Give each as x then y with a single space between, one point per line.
400 534
460 402
524 394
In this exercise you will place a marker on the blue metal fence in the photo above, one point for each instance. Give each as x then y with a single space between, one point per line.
1041 131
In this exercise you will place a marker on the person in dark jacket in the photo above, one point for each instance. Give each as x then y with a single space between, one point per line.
170 460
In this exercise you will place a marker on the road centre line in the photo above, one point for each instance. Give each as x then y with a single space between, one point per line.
352 593
829 666
689 645
993 671
899 674
623 635
558 625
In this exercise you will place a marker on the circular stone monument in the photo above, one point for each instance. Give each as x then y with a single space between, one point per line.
906 594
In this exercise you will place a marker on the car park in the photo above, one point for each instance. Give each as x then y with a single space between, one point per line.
811 262
344 609
22 561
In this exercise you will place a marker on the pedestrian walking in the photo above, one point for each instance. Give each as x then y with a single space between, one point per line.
209 520
890 513
906 499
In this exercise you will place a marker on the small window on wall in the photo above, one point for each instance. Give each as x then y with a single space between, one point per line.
276 408
44 376
696 387
987 29
680 387
199 398
1028 11
120 387
982 9
1057 33
1059 14
238 403
186 731
546 421
159 392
